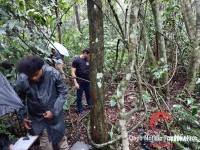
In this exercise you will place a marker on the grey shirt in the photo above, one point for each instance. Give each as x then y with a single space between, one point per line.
49 94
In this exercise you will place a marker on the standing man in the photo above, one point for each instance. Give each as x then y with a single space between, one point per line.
58 58
45 93
80 75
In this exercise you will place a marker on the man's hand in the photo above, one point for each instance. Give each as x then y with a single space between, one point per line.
48 115
26 123
77 86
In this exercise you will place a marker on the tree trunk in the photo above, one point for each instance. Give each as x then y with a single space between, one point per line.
198 22
161 41
189 20
98 126
151 60
132 45
77 17
190 26
58 21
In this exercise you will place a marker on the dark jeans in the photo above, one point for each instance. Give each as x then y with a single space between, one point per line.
86 88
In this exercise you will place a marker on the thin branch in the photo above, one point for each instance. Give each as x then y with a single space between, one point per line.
60 20
41 32
68 9
128 114
117 19
125 23
108 19
120 5
52 34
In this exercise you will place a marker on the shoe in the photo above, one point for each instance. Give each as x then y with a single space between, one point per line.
80 114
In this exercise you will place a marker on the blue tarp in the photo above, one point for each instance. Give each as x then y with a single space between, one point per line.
9 100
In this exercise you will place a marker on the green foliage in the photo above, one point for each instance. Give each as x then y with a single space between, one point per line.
4 125
186 118
158 72
177 106
68 103
190 103
27 26
146 96
32 20
3 128
197 87
14 33
110 55
73 41
113 100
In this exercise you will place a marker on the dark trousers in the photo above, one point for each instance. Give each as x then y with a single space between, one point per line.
86 88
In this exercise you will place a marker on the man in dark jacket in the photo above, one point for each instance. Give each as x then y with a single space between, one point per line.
44 91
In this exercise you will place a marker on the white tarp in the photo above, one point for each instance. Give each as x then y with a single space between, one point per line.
62 50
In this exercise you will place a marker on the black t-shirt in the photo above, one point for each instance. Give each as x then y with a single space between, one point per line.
82 68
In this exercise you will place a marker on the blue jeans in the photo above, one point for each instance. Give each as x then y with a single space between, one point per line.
86 88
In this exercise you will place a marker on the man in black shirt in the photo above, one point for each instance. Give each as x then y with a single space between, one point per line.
80 75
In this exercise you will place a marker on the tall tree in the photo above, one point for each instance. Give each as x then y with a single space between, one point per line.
198 22
189 19
129 70
75 6
95 15
58 21
160 40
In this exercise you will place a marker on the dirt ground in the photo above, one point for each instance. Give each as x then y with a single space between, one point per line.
76 126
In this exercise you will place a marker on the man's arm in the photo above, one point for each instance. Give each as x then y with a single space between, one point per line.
73 73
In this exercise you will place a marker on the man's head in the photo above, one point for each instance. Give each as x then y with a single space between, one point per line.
86 53
6 64
53 50
31 66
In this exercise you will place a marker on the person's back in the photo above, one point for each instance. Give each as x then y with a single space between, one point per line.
56 54
58 59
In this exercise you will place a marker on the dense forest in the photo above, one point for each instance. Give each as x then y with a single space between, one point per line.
144 61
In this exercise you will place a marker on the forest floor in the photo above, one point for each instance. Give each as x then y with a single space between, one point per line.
76 126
